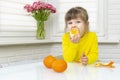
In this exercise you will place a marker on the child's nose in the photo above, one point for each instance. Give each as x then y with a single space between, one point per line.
74 25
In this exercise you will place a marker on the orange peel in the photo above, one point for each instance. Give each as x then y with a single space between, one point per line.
110 64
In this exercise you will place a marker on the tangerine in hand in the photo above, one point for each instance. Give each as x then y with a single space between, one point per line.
74 31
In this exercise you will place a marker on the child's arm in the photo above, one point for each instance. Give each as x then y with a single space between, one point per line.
93 54
69 49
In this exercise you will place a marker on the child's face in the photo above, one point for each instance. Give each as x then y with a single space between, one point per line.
76 23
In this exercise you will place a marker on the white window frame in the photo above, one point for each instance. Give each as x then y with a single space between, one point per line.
55 36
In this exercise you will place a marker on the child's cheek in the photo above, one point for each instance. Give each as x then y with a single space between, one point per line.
69 27
81 28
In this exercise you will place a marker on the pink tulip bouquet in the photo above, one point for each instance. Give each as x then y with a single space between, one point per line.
40 11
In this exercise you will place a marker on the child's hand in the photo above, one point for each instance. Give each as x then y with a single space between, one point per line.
84 59
75 38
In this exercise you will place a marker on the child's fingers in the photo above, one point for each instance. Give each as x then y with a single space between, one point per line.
78 38
72 38
84 63
83 54
75 38
84 59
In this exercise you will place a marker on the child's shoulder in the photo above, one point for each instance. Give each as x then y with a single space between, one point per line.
91 33
65 34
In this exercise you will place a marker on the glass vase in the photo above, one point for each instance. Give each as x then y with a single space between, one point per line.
40 34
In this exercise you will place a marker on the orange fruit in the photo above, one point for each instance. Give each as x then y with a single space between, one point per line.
59 65
74 31
48 60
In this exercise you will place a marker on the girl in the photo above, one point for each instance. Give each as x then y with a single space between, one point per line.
81 47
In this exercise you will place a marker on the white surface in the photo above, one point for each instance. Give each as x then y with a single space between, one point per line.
34 41
75 71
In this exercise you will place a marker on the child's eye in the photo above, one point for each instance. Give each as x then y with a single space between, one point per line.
78 22
69 22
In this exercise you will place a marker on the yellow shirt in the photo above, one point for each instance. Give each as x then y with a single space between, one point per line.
73 51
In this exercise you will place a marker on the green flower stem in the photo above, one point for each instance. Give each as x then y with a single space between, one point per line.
40 30
41 16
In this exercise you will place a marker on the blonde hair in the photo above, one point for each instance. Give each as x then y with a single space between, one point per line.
77 12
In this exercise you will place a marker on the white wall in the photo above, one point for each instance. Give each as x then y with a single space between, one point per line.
114 18
11 54
108 49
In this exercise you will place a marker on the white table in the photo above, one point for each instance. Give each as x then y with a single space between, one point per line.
75 71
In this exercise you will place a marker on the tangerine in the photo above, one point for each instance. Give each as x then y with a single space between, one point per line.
74 31
48 60
59 65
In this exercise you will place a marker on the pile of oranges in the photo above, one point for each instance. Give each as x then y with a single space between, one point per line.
58 65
